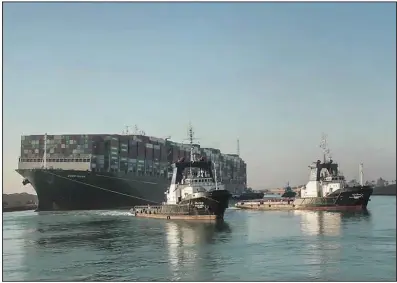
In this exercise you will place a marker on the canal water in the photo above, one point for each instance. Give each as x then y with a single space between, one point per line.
248 246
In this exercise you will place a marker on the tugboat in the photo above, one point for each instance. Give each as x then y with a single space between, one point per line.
327 189
194 192
288 192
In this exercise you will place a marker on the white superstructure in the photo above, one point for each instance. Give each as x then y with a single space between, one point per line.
195 182
191 186
324 178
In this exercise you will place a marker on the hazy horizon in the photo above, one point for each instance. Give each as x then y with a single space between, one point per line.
274 75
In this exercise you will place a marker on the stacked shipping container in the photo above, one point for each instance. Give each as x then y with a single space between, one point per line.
113 142
58 146
141 156
156 159
164 152
132 153
149 158
123 155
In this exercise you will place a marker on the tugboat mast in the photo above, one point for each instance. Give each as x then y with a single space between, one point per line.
324 147
191 147
361 174
216 179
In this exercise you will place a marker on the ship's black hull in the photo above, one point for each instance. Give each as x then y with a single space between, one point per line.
356 196
351 198
220 202
388 190
85 190
348 198
212 203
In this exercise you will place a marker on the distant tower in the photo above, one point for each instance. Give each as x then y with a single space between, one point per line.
238 147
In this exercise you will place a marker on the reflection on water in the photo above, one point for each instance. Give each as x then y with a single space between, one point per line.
248 246
322 250
95 233
327 223
184 240
192 233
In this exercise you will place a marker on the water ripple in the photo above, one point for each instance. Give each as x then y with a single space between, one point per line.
248 246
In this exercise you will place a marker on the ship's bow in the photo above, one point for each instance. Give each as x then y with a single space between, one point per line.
353 197
220 201
366 192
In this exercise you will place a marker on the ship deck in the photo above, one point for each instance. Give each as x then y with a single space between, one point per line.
320 203
180 212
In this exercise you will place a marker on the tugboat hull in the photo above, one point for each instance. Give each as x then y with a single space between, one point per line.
205 217
199 206
352 198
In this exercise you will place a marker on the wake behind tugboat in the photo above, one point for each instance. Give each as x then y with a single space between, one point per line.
194 193
326 190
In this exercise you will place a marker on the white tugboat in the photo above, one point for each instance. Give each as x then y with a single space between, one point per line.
327 189
194 192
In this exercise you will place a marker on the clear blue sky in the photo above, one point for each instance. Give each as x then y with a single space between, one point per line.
274 75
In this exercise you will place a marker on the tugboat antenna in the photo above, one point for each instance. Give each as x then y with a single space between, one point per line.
324 147
191 133
191 141
216 179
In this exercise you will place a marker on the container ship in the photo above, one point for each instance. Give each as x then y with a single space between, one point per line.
105 171
385 190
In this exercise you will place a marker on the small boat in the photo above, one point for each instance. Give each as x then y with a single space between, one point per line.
194 192
288 192
326 190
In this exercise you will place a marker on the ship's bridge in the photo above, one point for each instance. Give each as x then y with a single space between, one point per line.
198 181
334 178
72 163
